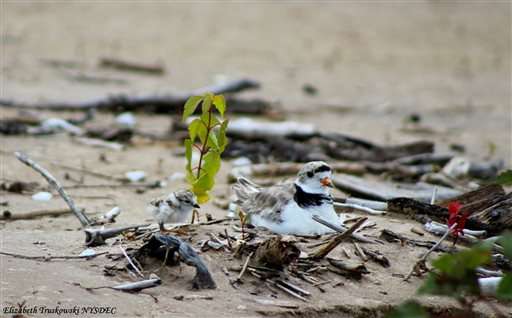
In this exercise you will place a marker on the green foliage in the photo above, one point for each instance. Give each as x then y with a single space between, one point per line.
409 309
506 242
505 178
455 274
504 291
207 134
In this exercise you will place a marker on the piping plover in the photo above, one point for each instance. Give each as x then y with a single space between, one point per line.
288 207
175 208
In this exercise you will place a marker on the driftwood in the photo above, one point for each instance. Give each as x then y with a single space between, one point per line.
84 220
490 209
49 258
411 208
340 229
163 103
279 169
137 286
391 236
153 281
376 256
264 141
335 241
7 215
381 190
94 237
425 158
344 147
264 150
496 218
420 266
123 65
162 245
348 268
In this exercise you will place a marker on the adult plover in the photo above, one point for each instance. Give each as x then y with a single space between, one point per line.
288 207
175 208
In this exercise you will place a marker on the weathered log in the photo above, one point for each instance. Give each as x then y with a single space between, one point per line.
344 147
123 65
381 190
160 245
496 218
411 208
391 236
348 268
164 103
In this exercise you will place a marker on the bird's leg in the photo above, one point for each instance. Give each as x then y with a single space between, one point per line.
194 213
162 228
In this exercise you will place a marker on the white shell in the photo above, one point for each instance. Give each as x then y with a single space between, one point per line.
88 252
135 176
126 120
42 196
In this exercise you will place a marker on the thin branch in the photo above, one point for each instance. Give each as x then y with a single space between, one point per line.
84 220
244 268
335 241
423 258
131 263
49 258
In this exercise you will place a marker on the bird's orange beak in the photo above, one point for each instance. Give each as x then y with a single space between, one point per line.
326 182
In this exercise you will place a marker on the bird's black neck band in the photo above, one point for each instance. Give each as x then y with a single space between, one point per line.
305 199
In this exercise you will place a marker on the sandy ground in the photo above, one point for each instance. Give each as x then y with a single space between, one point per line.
373 64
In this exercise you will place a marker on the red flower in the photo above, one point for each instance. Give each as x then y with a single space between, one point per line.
456 217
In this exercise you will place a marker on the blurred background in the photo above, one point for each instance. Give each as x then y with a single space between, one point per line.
372 64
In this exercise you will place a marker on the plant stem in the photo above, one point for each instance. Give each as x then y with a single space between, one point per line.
204 148
423 258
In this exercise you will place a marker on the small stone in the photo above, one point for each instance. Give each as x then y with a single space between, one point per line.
126 120
88 253
42 196
135 176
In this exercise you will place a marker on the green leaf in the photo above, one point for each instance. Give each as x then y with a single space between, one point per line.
220 103
221 136
190 106
504 178
504 291
209 118
409 309
456 273
213 142
188 155
458 264
207 102
195 128
506 242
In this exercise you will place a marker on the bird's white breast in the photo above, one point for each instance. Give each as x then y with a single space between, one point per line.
297 220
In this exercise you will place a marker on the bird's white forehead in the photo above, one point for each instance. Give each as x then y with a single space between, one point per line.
316 167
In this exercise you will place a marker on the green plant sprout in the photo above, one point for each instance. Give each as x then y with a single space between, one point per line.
207 135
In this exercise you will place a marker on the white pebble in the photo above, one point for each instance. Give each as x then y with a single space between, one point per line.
126 120
42 196
88 253
59 124
136 176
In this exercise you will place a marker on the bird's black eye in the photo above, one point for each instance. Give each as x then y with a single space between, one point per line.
310 174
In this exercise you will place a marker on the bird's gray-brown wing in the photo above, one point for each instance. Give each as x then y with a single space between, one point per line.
269 202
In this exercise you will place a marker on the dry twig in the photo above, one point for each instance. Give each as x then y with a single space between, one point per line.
84 220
